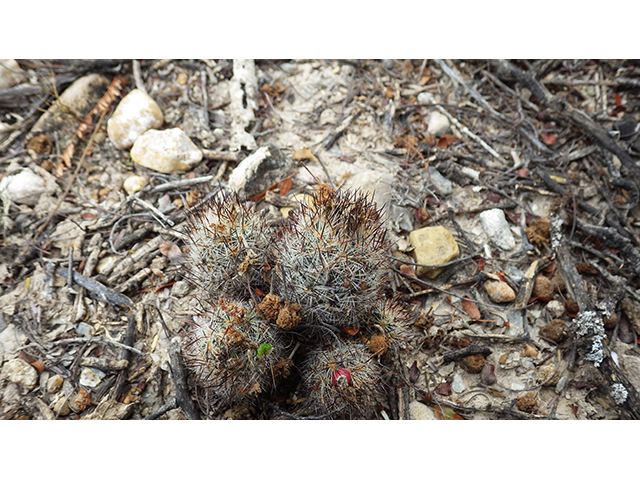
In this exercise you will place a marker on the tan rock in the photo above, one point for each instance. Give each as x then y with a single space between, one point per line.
134 184
21 373
166 151
135 114
10 73
499 292
433 246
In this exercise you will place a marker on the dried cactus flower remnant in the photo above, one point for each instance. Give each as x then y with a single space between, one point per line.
332 258
228 244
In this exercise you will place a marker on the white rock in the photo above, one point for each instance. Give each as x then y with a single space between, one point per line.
457 385
438 124
166 151
21 373
136 114
10 73
556 308
88 378
497 229
54 384
260 170
134 184
419 411
25 187
426 97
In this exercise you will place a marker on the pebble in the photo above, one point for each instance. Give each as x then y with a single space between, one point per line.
516 324
499 292
555 308
457 385
426 97
61 407
547 375
529 351
54 384
438 124
134 184
24 188
517 386
10 73
134 115
84 329
497 229
21 373
88 378
419 411
260 170
166 151
443 185
433 246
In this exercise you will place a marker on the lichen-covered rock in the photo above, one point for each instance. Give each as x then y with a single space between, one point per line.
433 246
166 151
136 114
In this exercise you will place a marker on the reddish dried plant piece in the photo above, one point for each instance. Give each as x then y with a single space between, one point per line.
341 374
549 138
471 309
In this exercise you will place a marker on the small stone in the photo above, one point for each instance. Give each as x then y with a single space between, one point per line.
438 124
84 329
134 184
529 351
166 151
10 73
499 292
443 185
433 246
88 378
134 115
494 224
21 373
61 407
517 386
457 385
419 411
554 331
473 363
426 97
487 375
54 384
542 287
555 308
516 324
24 188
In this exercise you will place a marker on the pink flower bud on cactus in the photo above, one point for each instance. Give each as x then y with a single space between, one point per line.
340 373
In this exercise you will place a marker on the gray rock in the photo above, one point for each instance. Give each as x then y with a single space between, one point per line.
134 115
260 170
166 151
457 385
495 225
443 185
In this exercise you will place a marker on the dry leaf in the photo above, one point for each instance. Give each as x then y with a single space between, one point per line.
408 270
286 186
471 309
548 138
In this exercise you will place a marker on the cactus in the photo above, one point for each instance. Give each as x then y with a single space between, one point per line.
341 378
324 271
228 247
332 258
232 354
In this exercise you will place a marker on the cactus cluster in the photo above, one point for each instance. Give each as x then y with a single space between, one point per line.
304 301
